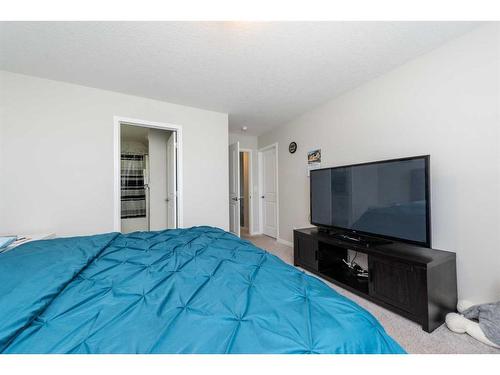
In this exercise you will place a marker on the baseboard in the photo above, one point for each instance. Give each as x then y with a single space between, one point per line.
284 242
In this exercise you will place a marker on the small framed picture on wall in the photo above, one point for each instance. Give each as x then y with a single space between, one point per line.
313 160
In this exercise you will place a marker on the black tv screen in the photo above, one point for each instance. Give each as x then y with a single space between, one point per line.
388 198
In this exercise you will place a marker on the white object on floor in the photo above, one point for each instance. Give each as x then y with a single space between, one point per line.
463 305
30 238
460 324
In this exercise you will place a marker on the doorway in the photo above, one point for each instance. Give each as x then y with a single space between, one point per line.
245 192
240 193
268 197
147 176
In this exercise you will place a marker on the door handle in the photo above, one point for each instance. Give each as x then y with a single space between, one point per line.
262 196
234 199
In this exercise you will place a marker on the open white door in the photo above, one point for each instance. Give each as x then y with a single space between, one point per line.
234 188
172 181
158 179
268 197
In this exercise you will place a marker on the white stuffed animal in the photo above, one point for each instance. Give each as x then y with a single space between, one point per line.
487 316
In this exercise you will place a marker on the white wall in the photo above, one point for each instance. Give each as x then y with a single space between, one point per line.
134 224
446 104
246 141
134 147
251 143
56 155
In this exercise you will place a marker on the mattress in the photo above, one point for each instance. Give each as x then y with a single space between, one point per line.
197 290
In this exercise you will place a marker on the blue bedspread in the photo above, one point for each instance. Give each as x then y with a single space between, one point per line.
198 290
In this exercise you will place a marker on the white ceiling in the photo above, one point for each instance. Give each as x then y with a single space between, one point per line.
262 74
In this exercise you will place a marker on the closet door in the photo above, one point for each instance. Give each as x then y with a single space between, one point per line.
158 217
269 187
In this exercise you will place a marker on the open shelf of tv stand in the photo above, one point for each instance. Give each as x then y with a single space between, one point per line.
343 278
416 282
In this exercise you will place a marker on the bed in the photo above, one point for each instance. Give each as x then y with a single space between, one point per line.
196 290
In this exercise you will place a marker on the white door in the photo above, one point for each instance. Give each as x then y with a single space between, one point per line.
172 181
234 188
158 179
269 192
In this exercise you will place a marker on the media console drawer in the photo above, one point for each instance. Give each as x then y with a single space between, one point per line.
416 282
306 252
395 283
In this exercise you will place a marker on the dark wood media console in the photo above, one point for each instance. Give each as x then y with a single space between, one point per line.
416 282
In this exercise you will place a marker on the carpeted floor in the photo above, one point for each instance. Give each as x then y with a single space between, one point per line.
409 335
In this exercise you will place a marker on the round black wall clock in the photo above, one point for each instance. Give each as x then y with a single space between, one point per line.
292 147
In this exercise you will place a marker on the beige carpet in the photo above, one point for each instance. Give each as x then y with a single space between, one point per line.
408 334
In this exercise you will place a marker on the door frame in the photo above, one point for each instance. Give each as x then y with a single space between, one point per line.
231 198
261 222
250 190
117 122
173 139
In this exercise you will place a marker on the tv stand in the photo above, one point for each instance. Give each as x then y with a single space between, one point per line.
416 282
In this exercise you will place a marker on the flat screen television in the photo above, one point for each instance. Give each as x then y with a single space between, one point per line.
388 199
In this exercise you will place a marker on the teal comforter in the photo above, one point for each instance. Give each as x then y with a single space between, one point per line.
197 290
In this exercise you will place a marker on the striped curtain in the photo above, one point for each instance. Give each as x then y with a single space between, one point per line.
133 193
